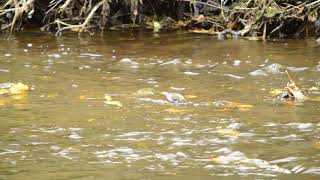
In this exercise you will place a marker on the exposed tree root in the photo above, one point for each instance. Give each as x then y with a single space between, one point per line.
246 17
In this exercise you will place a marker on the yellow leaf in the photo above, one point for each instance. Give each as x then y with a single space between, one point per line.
2 102
172 110
18 88
237 106
229 132
181 23
52 95
190 96
18 96
275 92
316 145
114 103
107 97
244 109
156 26
82 97
216 160
244 105
4 91
45 77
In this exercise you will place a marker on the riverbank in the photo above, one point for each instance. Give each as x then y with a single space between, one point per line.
248 18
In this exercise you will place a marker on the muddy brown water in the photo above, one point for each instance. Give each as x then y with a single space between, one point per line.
62 129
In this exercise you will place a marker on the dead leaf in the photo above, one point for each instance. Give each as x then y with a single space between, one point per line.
236 106
175 111
229 132
190 96
19 96
18 88
107 97
275 92
4 91
216 160
113 103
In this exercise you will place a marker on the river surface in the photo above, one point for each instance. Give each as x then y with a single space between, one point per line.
85 118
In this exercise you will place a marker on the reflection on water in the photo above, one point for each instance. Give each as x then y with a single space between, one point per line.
96 108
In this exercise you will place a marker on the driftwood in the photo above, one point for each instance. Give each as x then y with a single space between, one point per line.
291 91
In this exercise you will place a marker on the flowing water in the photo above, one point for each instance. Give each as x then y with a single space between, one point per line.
231 127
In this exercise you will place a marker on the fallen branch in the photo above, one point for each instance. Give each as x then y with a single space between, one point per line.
81 27
207 4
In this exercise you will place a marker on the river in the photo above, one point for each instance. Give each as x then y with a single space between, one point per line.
231 127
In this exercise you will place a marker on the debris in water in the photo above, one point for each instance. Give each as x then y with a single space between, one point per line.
191 96
229 132
275 92
114 103
176 111
291 91
236 106
108 101
13 88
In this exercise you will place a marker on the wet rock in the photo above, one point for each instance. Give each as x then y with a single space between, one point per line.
174 97
271 69
258 72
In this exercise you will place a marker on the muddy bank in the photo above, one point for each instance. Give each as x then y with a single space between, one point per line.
251 18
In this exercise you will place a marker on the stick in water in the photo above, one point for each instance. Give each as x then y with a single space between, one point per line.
289 76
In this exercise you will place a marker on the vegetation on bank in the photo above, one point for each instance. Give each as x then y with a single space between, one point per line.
252 18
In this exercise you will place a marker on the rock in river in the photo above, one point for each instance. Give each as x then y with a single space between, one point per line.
174 97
